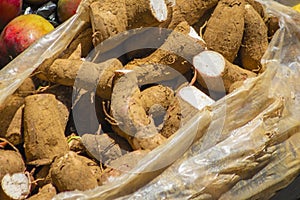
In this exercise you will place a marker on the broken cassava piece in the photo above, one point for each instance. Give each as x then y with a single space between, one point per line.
69 173
216 73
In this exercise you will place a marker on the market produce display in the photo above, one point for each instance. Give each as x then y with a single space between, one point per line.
87 117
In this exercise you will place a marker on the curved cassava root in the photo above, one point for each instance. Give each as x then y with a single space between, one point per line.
255 40
216 73
224 30
136 112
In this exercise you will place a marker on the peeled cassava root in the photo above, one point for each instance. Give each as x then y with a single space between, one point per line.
216 73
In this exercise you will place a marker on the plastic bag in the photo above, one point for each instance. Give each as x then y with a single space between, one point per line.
245 145
248 140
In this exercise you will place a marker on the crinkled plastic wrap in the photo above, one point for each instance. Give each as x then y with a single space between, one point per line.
245 146
42 51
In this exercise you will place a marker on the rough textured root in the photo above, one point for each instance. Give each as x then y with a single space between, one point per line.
65 71
255 40
70 173
273 25
224 30
43 132
101 147
162 105
109 18
83 40
216 73
122 165
172 119
62 71
16 185
7 112
14 132
145 13
200 25
133 123
93 167
190 11
107 71
47 192
63 95
173 56
258 7
26 88
10 162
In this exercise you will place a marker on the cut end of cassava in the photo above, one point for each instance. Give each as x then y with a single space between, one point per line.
216 73
209 63
195 97
159 9
195 35
16 186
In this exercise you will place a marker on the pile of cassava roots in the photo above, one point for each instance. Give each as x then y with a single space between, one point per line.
140 99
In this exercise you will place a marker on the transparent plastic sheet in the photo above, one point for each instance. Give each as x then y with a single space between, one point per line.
248 146
44 50
248 140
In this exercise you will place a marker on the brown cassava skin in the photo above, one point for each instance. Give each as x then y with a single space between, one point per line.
10 162
101 147
70 173
258 7
122 165
112 17
12 104
255 40
64 72
224 30
160 100
84 39
190 11
178 43
131 119
93 167
273 25
14 133
44 137
63 95
47 192
7 112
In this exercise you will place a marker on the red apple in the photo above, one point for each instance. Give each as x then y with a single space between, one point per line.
9 9
66 9
20 33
